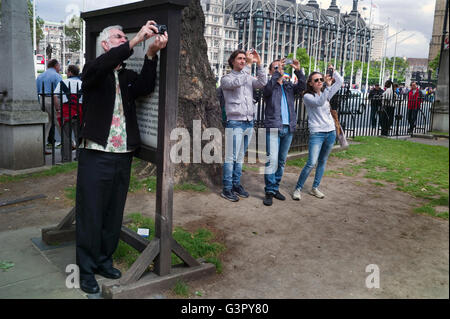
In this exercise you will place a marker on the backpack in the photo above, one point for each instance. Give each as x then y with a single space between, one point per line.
72 103
72 98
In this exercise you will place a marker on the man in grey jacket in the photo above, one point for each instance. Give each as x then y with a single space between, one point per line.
238 88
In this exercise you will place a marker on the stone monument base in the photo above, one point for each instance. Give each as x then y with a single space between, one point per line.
440 122
21 146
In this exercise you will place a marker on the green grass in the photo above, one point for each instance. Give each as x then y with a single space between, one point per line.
55 170
181 289
70 193
196 187
299 162
199 244
148 184
417 169
250 168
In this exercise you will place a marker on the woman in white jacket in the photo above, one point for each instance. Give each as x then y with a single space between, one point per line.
322 130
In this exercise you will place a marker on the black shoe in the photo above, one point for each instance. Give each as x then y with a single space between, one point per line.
279 196
228 194
89 286
240 191
268 199
111 273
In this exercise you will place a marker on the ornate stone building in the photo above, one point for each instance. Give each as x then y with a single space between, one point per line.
325 33
220 30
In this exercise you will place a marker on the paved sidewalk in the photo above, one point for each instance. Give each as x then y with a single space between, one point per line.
36 274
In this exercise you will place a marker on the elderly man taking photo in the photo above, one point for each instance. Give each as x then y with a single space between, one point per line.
109 137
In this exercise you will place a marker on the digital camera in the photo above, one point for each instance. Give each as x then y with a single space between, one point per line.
161 28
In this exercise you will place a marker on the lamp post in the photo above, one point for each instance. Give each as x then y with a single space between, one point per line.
370 47
354 48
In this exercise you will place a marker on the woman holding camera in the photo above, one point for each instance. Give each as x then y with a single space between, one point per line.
322 130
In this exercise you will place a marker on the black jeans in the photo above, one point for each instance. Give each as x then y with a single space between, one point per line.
102 186
412 118
386 119
373 115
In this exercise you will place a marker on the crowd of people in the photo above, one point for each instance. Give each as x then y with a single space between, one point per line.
280 121
384 101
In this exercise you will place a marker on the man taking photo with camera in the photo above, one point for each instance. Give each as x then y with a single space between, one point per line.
109 137
280 121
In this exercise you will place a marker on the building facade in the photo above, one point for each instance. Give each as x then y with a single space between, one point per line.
54 36
418 68
221 34
377 42
277 27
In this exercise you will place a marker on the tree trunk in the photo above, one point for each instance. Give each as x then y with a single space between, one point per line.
197 95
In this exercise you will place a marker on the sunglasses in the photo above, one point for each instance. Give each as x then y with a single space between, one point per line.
318 79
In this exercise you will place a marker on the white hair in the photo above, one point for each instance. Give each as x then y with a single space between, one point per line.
104 35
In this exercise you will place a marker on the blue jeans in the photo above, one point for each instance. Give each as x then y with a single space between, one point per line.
320 146
277 146
237 137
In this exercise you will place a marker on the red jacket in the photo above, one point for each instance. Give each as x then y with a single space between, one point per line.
414 101
75 110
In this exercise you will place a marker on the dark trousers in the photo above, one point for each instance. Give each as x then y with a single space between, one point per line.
386 119
102 186
412 118
66 148
373 115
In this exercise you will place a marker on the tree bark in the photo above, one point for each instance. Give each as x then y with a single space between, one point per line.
197 95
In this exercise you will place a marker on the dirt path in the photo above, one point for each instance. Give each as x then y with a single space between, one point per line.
308 249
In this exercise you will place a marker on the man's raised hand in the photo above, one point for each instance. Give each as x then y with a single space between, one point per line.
256 57
159 43
146 32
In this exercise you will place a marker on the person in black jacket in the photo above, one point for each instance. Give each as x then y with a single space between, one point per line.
375 97
280 121
109 137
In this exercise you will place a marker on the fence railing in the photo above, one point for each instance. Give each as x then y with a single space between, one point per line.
361 116
65 114
358 115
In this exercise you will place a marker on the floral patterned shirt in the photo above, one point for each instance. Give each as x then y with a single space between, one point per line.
117 139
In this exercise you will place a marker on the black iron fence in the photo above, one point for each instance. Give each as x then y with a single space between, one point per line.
358 115
65 114
361 116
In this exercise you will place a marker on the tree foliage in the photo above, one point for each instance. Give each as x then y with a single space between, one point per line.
401 66
434 65
73 34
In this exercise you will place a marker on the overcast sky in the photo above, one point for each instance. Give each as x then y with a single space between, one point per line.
415 18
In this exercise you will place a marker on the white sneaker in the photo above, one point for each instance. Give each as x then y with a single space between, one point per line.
317 193
297 195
